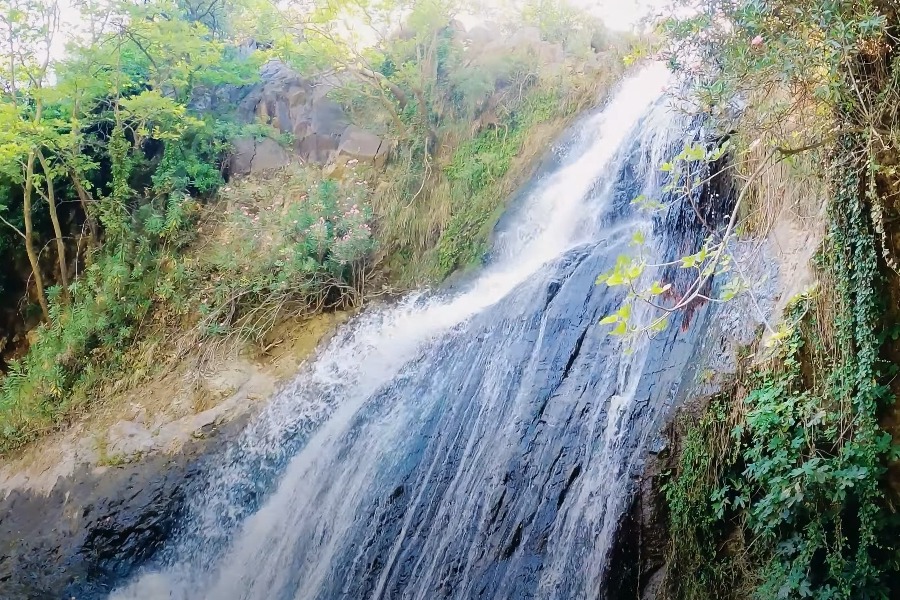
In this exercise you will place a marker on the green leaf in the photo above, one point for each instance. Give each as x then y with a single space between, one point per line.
659 325
656 289
615 279
634 271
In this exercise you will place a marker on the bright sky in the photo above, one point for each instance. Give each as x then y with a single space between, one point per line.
616 14
619 14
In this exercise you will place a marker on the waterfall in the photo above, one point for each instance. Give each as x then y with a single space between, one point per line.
476 443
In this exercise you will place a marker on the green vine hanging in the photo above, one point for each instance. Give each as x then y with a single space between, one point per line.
802 487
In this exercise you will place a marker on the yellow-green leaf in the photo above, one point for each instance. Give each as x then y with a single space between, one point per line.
615 279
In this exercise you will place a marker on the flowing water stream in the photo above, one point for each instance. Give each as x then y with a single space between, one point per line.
476 443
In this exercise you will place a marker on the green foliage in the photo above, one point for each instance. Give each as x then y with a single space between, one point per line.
707 563
455 115
807 488
305 257
557 21
476 166
191 164
82 340
133 161
804 479
175 53
795 61
113 207
262 265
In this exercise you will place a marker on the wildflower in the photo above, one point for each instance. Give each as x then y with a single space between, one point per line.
757 41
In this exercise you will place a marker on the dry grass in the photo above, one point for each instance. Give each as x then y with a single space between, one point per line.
793 186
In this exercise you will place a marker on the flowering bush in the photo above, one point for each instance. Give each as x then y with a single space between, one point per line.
330 227
293 244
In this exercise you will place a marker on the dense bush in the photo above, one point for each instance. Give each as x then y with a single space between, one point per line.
780 491
269 251
304 256
112 162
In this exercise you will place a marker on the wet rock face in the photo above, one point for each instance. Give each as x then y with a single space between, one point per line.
96 526
87 531
638 562
638 558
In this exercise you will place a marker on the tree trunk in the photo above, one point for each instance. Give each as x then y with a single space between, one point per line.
86 201
57 229
83 196
431 138
29 233
380 82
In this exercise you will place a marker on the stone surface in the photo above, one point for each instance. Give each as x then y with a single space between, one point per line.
300 107
359 144
128 438
253 156
640 552
96 525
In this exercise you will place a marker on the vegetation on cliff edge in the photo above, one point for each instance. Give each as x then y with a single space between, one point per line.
781 487
126 248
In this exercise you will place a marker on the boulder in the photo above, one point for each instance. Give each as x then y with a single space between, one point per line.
321 131
254 156
359 144
525 36
480 36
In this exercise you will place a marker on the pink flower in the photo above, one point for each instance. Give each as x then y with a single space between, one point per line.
757 41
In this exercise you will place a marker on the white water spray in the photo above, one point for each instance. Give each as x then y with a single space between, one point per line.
322 496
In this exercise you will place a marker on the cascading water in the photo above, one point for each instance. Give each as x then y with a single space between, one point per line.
479 444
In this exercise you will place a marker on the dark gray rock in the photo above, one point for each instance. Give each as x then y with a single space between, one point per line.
96 526
359 144
254 156
300 107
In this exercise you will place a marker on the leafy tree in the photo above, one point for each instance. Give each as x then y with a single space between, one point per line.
29 28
